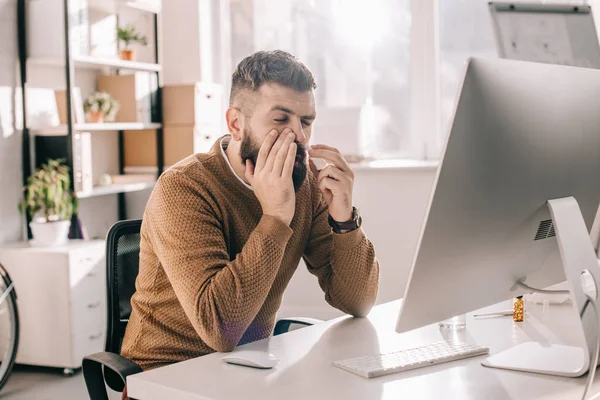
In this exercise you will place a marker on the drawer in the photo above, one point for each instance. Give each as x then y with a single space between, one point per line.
87 257
86 344
87 330
91 284
88 315
84 262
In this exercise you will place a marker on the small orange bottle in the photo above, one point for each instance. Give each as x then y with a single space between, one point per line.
518 308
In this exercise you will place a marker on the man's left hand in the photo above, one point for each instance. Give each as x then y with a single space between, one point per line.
335 181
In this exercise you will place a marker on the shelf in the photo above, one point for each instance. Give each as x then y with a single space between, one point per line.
144 170
112 6
113 189
136 5
61 130
91 62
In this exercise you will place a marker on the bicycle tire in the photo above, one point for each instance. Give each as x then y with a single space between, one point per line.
11 302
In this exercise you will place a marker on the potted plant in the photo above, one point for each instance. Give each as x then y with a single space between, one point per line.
100 106
129 35
50 203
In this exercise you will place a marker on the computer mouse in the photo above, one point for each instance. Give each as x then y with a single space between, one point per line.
249 358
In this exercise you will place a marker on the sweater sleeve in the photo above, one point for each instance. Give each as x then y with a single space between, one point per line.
220 297
345 264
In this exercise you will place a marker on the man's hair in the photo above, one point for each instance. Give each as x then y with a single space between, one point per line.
270 66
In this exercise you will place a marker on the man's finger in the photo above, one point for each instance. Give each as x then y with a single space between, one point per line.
282 153
269 163
331 156
325 147
265 148
288 167
332 172
328 186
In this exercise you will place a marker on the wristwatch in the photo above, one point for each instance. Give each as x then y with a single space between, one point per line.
354 223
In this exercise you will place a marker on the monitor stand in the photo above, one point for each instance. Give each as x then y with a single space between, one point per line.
578 256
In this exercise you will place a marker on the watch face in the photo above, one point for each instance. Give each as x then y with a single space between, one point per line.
356 216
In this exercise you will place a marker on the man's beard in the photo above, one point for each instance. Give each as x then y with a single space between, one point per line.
249 151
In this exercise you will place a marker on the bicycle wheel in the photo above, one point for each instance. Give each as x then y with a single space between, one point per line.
9 326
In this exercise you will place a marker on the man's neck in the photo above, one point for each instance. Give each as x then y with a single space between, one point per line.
233 155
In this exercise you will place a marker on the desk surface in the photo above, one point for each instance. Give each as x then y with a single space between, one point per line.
305 370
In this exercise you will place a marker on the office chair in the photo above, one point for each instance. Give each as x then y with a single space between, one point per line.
122 265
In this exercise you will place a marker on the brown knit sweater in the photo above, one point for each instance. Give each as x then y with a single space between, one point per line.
213 269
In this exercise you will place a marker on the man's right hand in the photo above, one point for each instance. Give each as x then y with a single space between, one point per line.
271 177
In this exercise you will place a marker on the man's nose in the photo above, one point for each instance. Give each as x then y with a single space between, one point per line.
299 131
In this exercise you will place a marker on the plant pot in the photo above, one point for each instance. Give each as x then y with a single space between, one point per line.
48 234
128 55
95 117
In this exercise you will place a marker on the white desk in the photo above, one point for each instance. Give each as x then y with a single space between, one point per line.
305 370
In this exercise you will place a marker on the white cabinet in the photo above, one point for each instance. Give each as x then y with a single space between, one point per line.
61 297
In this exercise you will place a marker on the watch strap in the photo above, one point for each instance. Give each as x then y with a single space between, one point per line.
350 225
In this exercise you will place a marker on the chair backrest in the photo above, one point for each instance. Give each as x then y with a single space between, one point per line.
122 266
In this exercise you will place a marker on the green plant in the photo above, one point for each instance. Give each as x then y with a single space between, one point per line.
47 194
102 101
129 34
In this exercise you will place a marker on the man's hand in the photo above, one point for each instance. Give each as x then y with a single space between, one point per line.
271 177
335 181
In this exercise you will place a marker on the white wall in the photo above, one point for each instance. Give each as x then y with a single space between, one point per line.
194 46
393 204
10 139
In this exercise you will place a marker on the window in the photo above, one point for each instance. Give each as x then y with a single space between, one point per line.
405 57
359 53
465 31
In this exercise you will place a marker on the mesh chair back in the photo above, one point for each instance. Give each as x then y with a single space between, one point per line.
122 262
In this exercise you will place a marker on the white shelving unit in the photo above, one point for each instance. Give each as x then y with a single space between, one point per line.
48 142
97 63
62 130
114 189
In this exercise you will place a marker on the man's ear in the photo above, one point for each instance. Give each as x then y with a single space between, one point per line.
234 119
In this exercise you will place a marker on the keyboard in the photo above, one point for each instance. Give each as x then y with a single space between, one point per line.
406 360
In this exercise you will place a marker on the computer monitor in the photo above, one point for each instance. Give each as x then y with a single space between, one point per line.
523 134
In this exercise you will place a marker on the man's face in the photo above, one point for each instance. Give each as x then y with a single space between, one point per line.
278 107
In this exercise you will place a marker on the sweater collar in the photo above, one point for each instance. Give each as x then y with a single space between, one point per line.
223 144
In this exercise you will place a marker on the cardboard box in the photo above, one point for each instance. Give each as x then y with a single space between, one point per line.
179 142
140 146
76 102
195 104
134 93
